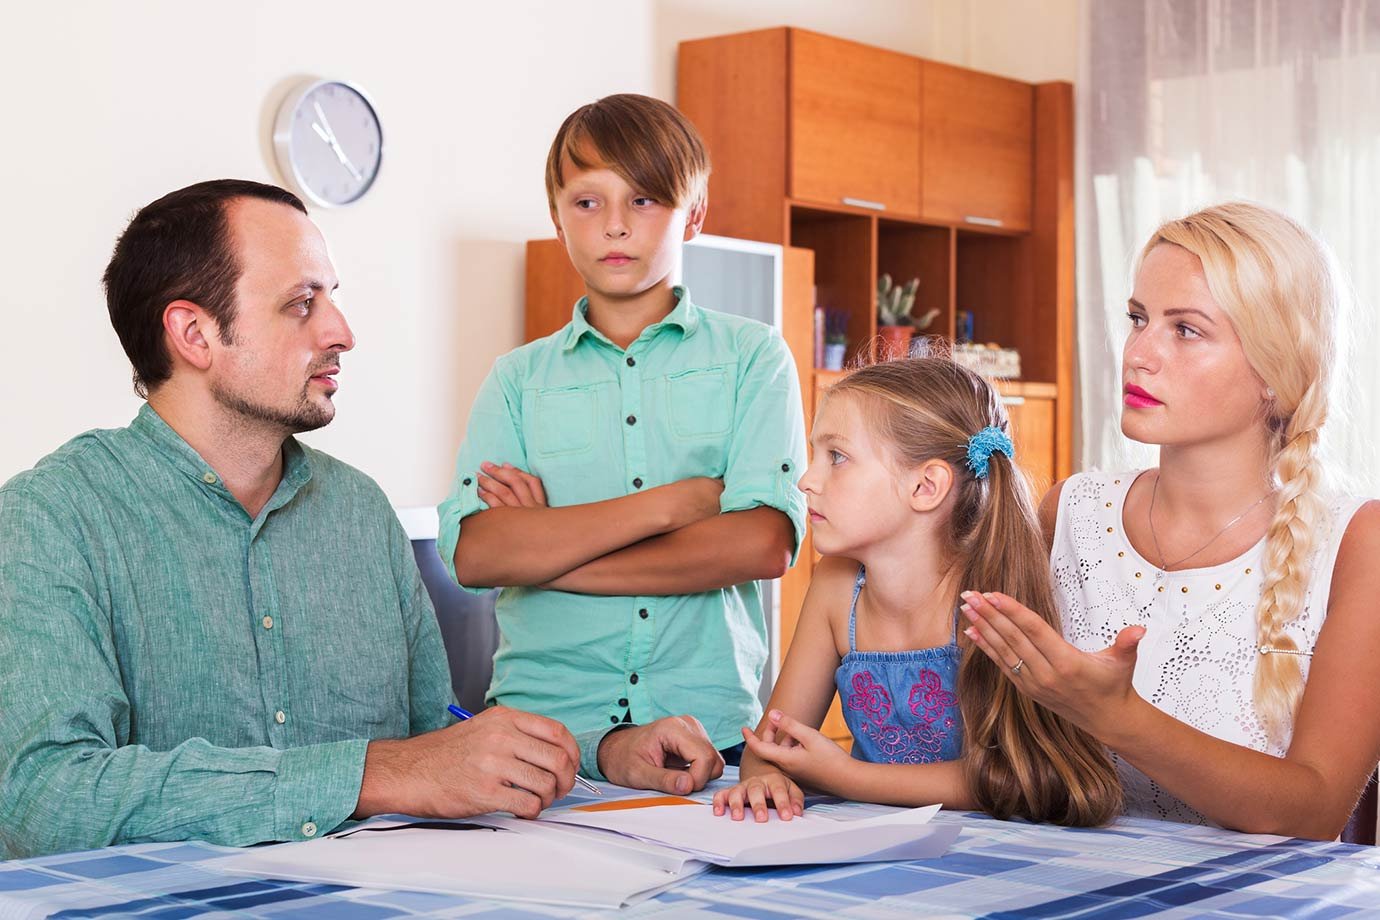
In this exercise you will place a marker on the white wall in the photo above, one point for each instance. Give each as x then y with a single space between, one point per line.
109 106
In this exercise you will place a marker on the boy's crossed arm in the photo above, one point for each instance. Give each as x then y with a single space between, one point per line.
667 540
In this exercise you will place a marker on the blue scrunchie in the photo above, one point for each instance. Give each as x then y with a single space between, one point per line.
983 444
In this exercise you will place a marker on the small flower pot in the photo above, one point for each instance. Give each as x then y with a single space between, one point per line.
895 342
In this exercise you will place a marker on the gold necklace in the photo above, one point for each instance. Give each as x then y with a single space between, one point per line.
1150 515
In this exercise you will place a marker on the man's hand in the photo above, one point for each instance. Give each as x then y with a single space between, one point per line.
501 760
672 755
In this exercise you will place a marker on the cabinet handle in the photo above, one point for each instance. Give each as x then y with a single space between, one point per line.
1013 400
864 203
983 221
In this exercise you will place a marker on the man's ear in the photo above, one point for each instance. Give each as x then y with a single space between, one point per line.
930 483
694 220
187 328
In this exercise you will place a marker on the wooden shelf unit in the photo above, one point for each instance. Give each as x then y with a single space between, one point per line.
882 162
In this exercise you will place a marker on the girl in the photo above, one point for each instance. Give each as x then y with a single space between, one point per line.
1235 590
912 494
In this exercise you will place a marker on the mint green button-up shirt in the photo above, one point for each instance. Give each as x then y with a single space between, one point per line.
171 669
701 393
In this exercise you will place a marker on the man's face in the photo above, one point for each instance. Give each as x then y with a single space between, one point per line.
288 333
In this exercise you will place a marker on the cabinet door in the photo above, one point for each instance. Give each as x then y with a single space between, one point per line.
855 124
1032 432
977 157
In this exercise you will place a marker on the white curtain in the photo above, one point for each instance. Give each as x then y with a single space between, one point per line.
1183 103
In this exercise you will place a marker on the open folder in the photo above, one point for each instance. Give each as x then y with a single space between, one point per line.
606 855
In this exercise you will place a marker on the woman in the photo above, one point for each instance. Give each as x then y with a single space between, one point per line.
1219 620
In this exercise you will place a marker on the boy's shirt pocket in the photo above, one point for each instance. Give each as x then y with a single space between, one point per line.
700 402
563 421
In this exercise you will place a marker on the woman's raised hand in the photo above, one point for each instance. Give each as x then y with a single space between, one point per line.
1090 689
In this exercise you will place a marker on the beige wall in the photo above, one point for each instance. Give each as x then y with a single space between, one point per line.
110 105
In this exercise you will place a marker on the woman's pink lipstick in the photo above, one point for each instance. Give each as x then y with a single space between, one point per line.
1136 398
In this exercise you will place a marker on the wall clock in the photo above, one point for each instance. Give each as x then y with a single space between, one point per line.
328 142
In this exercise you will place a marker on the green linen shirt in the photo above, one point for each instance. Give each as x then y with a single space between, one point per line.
171 669
701 393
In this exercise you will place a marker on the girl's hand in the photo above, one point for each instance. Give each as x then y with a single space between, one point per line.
758 793
799 750
1090 689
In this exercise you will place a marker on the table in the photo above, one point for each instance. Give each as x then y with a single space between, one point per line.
996 869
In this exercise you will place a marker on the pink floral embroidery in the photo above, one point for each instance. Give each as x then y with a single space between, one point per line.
870 698
929 699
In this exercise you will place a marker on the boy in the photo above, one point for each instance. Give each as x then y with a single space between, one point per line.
629 478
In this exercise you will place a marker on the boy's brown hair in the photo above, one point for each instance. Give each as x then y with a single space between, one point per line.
647 142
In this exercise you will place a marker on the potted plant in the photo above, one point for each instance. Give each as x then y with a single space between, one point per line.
835 338
895 323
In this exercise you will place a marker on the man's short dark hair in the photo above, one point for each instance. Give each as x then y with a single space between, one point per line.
178 248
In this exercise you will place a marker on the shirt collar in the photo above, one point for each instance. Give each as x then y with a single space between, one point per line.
685 316
149 424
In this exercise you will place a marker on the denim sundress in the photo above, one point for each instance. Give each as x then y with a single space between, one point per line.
902 707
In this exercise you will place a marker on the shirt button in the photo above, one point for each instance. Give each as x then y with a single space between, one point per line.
632 362
209 478
637 483
280 717
633 679
466 481
623 701
785 467
613 719
632 420
268 622
309 829
642 613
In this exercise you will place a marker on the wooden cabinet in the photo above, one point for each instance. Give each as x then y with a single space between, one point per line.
854 124
977 156
1030 409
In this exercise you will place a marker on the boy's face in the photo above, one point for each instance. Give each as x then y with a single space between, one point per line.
622 241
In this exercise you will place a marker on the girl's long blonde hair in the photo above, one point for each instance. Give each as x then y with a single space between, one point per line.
1279 286
1020 758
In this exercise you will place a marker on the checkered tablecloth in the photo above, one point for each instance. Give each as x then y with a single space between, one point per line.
997 869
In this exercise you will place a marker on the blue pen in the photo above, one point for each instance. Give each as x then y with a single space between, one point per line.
464 714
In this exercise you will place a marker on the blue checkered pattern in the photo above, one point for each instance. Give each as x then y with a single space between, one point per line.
996 869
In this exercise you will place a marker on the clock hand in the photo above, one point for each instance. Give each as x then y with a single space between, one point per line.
321 114
339 152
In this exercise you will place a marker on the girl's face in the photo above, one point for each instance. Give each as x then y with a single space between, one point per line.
855 491
1185 378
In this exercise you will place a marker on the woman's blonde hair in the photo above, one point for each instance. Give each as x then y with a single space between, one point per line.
1278 285
1020 758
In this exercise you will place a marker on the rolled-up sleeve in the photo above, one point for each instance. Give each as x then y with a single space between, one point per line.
493 435
69 777
767 456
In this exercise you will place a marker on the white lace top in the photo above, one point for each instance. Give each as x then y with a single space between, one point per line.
1198 658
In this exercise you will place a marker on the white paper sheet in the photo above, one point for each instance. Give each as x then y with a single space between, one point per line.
526 862
804 840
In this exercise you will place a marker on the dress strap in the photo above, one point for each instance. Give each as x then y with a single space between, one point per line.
853 608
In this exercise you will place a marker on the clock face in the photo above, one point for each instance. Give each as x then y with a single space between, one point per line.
328 142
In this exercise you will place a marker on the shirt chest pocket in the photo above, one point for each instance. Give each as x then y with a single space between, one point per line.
562 421
701 403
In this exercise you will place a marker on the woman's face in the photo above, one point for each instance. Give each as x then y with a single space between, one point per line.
1185 378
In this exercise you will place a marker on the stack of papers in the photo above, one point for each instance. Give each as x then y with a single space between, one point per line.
604 855
693 828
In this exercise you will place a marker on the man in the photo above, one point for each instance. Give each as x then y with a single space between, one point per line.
209 630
